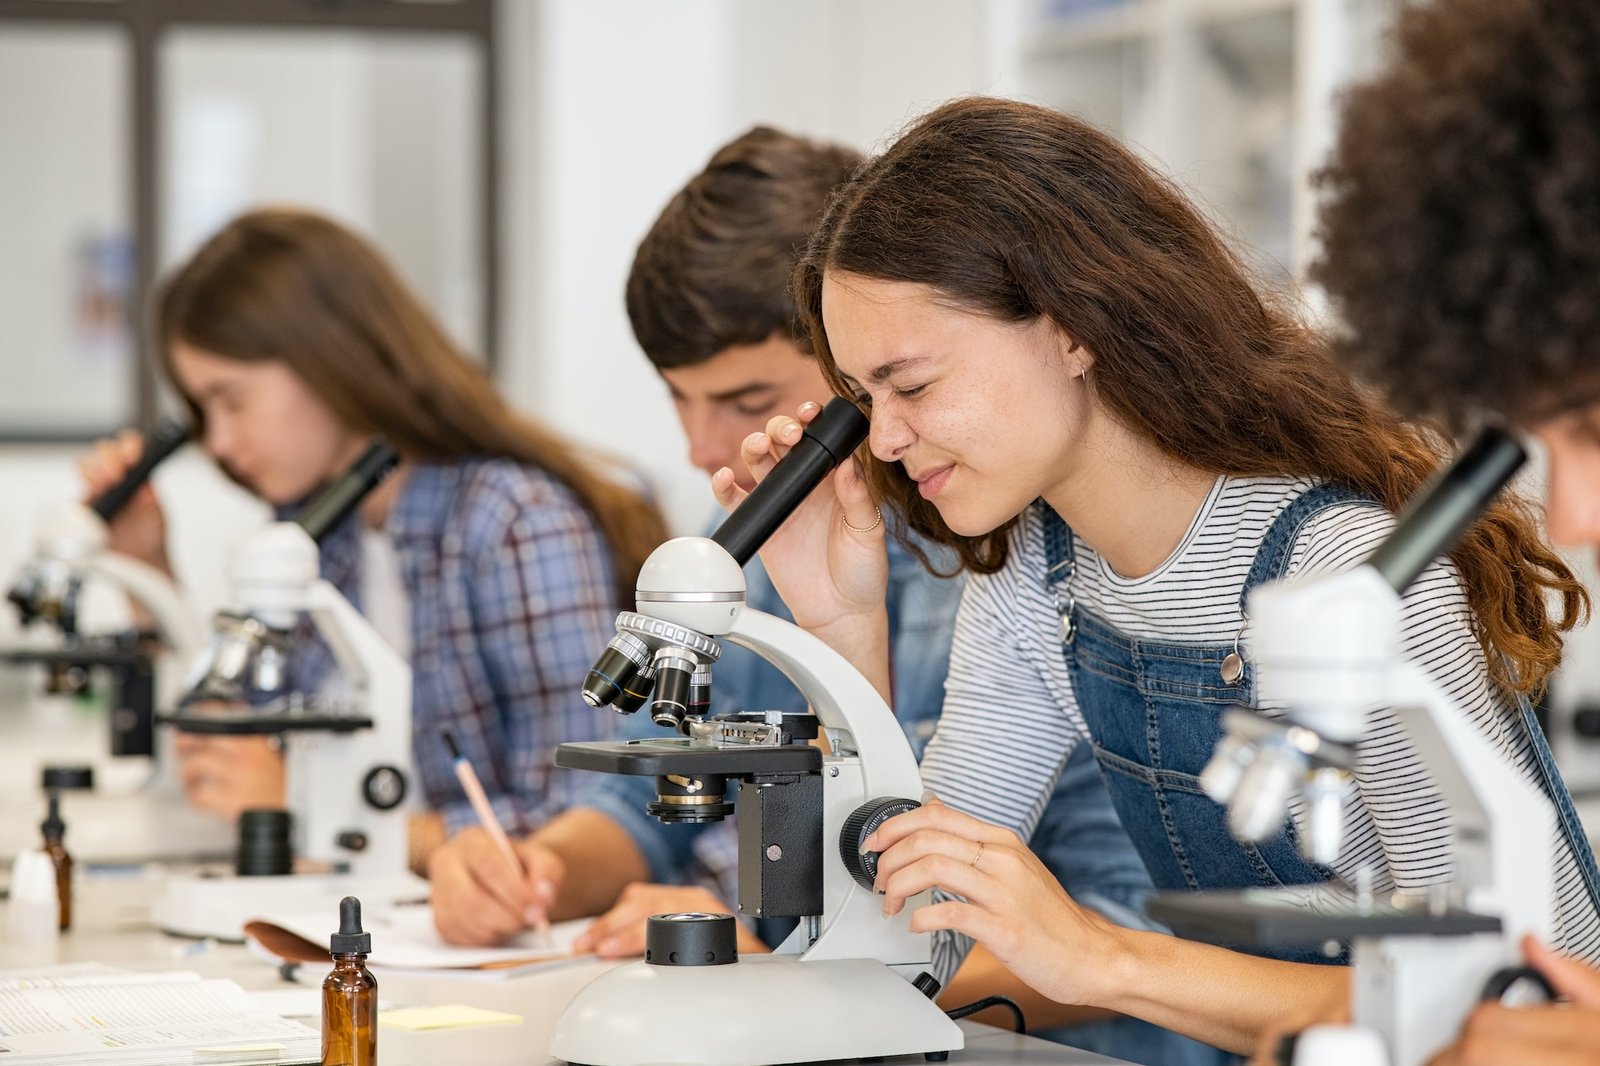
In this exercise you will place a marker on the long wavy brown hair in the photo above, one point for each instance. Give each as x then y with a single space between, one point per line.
1015 211
297 288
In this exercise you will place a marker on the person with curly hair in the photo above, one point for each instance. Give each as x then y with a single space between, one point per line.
1461 250
1076 386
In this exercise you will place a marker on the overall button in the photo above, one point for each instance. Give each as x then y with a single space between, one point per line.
1232 667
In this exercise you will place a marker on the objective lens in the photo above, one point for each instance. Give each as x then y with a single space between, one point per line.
700 691
616 671
637 691
1220 779
1261 802
674 682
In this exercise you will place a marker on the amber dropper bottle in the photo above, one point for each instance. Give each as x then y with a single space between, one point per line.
350 994
54 830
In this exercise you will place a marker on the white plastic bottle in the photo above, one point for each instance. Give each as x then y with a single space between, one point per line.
33 917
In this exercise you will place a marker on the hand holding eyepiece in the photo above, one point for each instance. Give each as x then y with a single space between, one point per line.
167 438
827 442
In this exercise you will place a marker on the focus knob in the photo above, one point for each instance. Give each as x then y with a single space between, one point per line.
858 827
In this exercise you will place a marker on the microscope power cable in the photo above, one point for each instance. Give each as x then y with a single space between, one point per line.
1020 1026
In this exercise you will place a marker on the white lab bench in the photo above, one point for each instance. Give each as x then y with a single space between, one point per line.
111 926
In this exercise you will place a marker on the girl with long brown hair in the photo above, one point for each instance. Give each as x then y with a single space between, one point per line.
1074 383
495 557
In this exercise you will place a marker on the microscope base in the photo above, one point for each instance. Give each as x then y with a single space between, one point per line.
218 907
768 1009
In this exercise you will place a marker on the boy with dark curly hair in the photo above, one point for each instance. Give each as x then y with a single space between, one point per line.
1461 249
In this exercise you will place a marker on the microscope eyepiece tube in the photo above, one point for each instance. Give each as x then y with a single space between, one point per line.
329 507
166 439
828 441
1437 516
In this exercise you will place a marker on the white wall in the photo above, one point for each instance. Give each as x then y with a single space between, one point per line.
604 124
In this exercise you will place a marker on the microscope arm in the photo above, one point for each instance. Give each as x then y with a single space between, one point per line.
870 760
856 718
1501 823
360 651
156 592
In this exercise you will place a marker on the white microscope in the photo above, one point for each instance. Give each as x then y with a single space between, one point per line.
348 768
1326 649
802 814
70 551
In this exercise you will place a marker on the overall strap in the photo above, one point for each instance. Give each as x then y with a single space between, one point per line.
1277 547
1059 555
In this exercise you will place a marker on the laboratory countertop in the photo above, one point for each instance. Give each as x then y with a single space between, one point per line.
112 926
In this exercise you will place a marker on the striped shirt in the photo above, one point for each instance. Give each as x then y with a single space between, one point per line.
1011 719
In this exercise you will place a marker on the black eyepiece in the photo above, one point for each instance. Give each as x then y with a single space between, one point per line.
828 441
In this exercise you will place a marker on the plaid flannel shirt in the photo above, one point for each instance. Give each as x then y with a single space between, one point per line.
512 593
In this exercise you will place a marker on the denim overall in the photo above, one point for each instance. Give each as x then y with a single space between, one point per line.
1154 711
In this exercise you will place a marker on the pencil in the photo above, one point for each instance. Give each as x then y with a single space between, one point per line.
486 817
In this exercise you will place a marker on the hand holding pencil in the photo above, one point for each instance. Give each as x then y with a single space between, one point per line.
485 888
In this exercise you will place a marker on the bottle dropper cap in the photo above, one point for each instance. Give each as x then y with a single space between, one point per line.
350 939
53 827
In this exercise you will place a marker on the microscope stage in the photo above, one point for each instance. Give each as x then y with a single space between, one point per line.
1273 917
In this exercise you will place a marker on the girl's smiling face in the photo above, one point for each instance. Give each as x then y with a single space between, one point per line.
984 415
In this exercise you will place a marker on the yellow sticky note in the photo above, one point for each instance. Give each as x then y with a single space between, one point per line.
451 1016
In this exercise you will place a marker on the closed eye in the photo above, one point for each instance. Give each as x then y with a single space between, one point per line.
756 409
906 394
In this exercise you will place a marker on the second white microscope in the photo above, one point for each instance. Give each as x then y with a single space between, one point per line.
348 766
1326 648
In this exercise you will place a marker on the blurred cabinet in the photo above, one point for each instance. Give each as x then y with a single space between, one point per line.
1232 98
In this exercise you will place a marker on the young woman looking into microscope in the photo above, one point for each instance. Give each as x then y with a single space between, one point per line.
495 557
1074 383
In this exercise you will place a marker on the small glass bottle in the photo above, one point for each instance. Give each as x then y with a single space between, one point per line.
350 994
54 830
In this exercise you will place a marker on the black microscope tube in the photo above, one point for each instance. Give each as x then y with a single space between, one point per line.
828 441
166 439
329 507
1437 515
